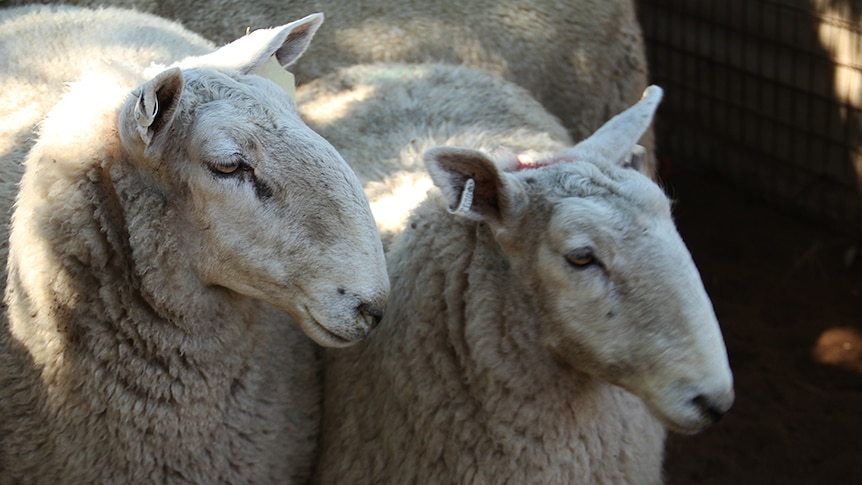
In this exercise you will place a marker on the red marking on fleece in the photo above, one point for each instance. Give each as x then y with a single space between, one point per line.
542 163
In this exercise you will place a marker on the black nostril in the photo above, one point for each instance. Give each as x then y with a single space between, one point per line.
706 405
375 313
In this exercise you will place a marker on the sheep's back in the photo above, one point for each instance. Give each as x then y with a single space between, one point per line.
583 60
382 117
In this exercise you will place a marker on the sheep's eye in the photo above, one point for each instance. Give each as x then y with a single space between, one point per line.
581 257
227 166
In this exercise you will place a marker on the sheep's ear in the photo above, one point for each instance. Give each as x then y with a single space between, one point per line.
152 107
616 141
471 183
249 53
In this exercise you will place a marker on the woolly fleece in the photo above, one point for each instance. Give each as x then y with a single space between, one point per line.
583 60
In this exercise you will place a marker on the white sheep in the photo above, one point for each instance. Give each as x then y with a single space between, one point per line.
170 210
584 60
548 331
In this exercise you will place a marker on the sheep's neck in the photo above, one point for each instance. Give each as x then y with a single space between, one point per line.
171 324
504 325
496 337
92 320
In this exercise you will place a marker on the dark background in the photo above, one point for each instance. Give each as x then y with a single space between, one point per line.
759 137
790 309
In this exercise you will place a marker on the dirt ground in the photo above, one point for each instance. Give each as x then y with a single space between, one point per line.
789 299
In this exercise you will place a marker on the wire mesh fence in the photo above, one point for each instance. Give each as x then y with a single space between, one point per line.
766 94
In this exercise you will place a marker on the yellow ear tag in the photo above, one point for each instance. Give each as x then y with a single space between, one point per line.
273 71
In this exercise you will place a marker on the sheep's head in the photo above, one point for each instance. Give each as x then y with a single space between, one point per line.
266 207
593 241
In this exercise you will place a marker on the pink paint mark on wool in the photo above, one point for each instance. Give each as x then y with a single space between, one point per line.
527 164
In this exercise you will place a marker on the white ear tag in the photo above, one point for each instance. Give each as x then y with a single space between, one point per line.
466 199
273 71
636 158
145 119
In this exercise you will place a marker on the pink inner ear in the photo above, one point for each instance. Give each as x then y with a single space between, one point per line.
529 165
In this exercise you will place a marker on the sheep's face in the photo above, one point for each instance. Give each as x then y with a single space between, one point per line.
281 216
597 253
593 247
266 207
619 293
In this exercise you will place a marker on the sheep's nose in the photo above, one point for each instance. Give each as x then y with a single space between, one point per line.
371 315
714 405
